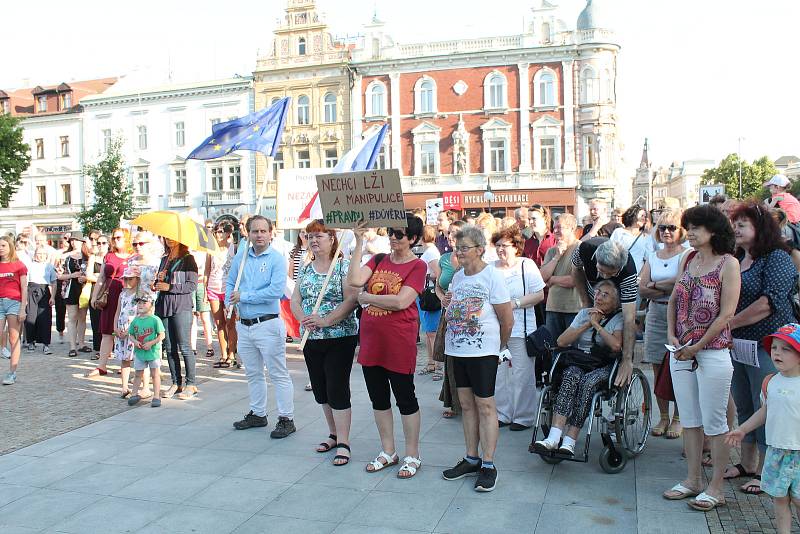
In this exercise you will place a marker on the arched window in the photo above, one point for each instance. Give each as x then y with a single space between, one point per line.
301 46
329 105
494 91
303 111
376 99
545 90
425 95
589 86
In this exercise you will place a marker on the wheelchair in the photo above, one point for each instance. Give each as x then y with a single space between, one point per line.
621 412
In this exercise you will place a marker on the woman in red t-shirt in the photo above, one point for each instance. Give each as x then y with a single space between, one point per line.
389 326
13 292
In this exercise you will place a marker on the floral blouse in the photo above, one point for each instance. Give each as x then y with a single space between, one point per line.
697 305
310 287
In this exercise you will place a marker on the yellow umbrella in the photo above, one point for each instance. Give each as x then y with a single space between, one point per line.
178 227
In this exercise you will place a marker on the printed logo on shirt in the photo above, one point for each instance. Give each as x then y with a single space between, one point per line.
464 314
383 283
7 275
142 335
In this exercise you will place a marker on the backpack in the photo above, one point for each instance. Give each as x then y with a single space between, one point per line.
764 385
793 238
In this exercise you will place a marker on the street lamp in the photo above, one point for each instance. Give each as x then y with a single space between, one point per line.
739 157
488 196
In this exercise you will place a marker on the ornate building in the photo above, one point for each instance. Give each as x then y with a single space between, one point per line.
531 117
307 64
642 183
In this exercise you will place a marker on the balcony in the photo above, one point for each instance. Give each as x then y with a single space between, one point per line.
594 179
178 200
141 202
224 196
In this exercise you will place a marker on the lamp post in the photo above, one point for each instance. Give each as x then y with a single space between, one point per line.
488 196
739 157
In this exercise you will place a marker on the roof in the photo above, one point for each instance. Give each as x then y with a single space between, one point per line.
785 161
593 16
22 100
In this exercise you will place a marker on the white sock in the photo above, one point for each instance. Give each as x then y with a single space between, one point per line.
554 435
568 442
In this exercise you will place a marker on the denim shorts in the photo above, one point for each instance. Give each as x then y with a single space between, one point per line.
9 307
781 474
141 365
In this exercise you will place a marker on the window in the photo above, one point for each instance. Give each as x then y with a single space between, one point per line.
277 164
143 183
589 152
66 100
180 180
494 94
301 46
428 158
376 100
106 140
607 87
589 86
214 122
64 146
303 159
180 134
6 107
235 177
497 156
544 89
216 178
303 110
41 102
329 105
380 161
41 195
331 158
546 39
425 94
496 137
142 137
40 149
66 194
547 153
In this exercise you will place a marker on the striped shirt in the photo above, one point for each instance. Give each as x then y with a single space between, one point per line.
627 280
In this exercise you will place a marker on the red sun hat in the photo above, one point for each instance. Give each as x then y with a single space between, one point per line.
789 333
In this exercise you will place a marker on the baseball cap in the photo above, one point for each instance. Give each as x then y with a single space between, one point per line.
789 333
143 297
780 180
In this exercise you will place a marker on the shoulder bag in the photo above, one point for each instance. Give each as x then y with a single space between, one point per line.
663 384
598 357
428 300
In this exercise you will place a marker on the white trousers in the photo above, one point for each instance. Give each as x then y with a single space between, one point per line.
702 395
264 344
515 391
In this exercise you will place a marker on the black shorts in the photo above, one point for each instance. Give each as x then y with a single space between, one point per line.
478 373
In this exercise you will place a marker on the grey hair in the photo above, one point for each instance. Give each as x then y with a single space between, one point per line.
612 254
518 211
473 234
610 284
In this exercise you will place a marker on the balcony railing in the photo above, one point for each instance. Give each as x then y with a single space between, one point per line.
226 196
178 200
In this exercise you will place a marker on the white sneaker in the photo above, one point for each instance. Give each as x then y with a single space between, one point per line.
545 445
47 350
9 379
5 353
567 449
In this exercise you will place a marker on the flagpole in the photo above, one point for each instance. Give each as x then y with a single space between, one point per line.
322 291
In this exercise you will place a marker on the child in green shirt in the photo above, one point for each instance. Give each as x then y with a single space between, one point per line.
147 332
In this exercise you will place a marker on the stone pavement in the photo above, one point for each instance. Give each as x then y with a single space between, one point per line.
182 468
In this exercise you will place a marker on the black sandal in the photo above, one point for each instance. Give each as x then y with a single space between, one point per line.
741 472
753 489
85 349
325 446
342 456
72 353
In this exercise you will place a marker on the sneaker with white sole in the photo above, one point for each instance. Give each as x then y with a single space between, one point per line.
47 350
5 353
545 445
9 379
31 347
567 449
487 479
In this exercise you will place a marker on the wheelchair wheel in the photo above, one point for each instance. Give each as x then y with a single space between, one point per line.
613 462
633 408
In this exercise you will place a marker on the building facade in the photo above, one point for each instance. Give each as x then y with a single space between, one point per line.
530 117
643 181
159 127
52 189
680 181
308 65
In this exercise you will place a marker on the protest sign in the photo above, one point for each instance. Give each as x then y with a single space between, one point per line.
374 197
433 207
295 189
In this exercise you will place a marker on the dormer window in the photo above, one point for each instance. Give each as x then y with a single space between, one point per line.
41 103
66 101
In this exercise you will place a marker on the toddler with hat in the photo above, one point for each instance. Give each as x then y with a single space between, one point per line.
126 311
778 187
780 410
146 332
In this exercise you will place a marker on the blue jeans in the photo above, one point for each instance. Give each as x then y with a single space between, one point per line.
558 322
746 392
177 329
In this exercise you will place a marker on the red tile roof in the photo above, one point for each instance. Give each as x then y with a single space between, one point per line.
22 100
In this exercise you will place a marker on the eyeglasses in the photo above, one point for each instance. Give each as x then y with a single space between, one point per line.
397 234
664 227
464 248
139 243
101 243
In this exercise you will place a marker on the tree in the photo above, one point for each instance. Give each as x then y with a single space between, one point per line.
753 176
113 195
15 157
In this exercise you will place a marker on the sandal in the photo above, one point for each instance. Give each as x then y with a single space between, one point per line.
707 460
95 356
428 369
377 465
85 349
437 376
705 502
672 433
96 372
660 428
448 414
125 394
325 446
753 488
210 353
222 364
72 353
740 472
680 492
409 467
340 457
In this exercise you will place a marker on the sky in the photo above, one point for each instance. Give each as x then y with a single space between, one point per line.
695 76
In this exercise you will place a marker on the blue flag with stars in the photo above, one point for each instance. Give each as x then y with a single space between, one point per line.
260 131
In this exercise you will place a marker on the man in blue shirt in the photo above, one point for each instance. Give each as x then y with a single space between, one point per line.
261 332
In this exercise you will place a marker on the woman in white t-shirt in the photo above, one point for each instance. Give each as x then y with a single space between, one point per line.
515 390
429 320
634 235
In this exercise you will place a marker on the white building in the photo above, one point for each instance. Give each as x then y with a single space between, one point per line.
160 126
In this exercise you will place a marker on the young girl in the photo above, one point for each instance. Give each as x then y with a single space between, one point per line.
126 311
13 292
780 409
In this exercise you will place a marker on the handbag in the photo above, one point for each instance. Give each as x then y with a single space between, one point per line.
598 356
428 299
85 296
438 343
663 383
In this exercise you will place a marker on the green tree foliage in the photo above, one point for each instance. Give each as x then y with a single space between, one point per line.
753 176
113 195
15 157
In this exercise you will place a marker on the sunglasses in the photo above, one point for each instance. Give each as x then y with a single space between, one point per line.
664 227
102 242
139 243
138 300
397 234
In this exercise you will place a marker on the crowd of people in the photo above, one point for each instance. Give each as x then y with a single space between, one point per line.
710 292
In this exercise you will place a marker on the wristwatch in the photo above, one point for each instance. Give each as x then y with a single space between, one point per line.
517 303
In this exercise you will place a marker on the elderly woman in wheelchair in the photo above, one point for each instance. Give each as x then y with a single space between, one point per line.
595 338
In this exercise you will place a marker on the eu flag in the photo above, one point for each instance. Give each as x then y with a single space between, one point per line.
260 131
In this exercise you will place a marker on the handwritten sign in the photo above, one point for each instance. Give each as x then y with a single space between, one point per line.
375 197
295 189
433 207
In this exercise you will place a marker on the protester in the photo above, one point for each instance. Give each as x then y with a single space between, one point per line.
215 290
13 292
479 325
595 330
523 222
718 200
40 240
443 221
41 298
541 239
60 307
298 257
597 218
99 245
389 326
778 187
515 387
616 216
488 226
21 246
429 320
333 335
126 311
374 243
147 332
201 309
261 335
634 235
779 411
660 271
443 271
700 308
175 282
563 300
768 277
74 278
